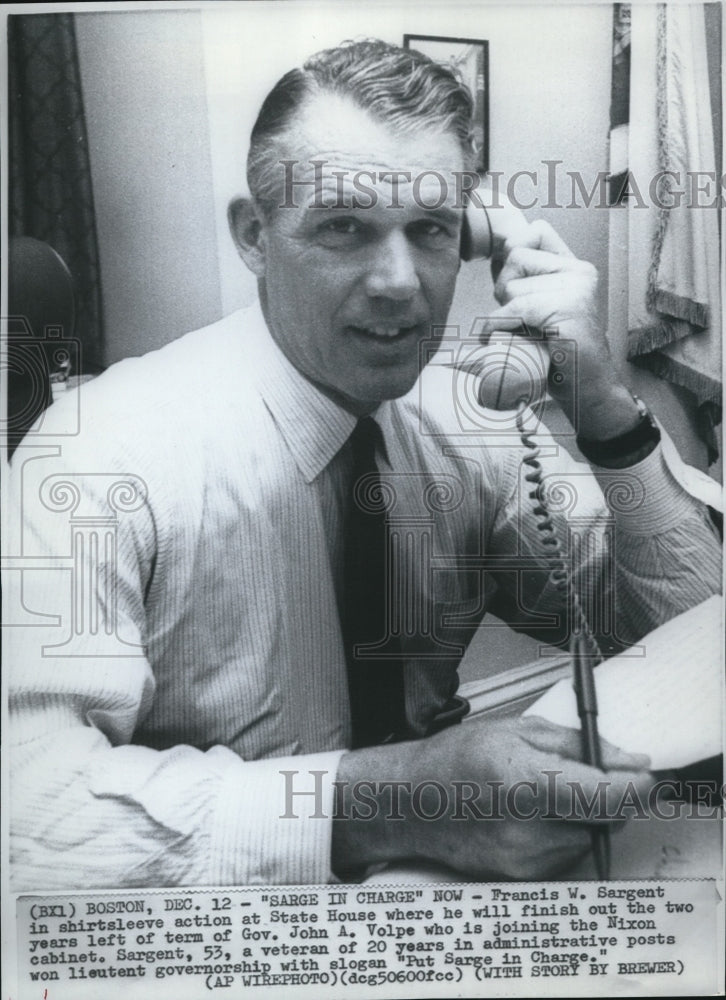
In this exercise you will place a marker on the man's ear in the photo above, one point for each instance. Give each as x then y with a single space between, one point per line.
246 226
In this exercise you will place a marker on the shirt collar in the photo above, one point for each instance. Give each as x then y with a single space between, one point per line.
313 426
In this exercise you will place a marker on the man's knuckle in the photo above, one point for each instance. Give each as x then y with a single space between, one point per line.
541 227
500 289
588 271
517 257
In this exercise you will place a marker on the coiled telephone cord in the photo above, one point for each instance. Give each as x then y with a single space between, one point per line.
582 641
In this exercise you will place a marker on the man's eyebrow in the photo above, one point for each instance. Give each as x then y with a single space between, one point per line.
334 194
326 194
315 207
443 213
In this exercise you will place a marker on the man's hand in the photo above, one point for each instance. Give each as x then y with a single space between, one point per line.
543 284
495 798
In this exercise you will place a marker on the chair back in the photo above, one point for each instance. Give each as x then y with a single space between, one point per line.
41 313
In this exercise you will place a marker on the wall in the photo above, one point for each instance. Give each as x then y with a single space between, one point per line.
150 160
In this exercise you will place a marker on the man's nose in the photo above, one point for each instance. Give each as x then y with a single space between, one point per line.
393 273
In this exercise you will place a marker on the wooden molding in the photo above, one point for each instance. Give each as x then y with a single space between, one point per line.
514 689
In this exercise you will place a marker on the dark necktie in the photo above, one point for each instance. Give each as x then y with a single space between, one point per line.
375 669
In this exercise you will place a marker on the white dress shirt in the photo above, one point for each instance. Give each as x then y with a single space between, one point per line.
195 652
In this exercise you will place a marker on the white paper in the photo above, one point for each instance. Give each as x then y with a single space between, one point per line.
667 703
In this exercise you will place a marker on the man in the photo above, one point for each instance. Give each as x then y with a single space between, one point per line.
191 727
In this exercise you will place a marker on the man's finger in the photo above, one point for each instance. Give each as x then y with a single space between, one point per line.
546 735
616 759
525 261
568 791
539 238
540 235
583 794
534 311
549 283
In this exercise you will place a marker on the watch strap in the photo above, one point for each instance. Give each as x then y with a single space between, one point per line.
645 433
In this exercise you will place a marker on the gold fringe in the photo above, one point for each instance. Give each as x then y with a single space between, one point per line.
695 313
660 333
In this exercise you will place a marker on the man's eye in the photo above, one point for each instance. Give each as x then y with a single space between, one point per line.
342 226
340 232
433 233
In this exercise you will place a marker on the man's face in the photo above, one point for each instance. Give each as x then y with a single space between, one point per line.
349 291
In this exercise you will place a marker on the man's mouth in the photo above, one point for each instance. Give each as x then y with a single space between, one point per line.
381 331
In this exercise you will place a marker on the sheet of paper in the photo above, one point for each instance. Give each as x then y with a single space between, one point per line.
667 702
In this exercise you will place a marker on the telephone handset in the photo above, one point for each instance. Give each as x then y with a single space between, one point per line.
513 374
511 367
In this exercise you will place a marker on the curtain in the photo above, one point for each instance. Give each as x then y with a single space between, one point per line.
619 104
50 191
674 307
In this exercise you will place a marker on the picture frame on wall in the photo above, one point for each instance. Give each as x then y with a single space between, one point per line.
469 58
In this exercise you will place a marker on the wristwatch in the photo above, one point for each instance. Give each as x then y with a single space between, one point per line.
628 448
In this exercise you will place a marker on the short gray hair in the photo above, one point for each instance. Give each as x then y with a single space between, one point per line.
401 87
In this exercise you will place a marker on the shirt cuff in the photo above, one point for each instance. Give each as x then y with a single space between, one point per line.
647 498
274 821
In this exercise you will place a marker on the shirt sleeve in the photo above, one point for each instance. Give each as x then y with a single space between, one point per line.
638 547
89 808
